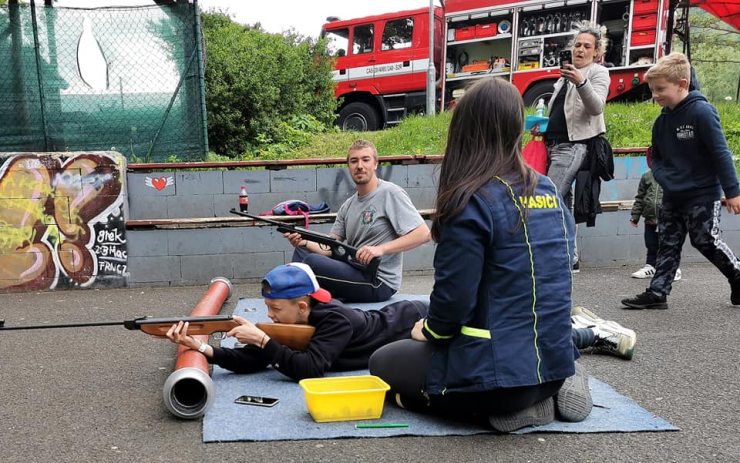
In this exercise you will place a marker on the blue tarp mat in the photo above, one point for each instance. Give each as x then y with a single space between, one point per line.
289 420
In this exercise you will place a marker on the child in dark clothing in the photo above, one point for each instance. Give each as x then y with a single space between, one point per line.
346 337
648 201
693 165
343 340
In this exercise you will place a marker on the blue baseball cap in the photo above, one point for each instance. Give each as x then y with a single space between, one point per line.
293 280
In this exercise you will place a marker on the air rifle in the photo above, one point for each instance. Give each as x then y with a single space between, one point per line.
294 336
339 251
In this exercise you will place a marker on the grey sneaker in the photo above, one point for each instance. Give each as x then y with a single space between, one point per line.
573 401
538 414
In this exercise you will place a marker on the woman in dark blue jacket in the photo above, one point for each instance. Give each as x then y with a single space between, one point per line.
497 338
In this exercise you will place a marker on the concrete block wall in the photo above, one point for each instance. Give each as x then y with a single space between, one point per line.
194 256
171 195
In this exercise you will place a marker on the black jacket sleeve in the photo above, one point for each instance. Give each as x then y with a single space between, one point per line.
332 335
247 359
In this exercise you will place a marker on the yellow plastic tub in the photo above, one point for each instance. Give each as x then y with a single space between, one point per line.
344 398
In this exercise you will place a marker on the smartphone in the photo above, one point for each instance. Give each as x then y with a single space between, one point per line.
566 57
256 400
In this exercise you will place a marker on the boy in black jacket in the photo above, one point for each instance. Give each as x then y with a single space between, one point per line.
693 165
343 340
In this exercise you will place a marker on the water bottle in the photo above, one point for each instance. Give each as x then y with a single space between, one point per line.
541 108
243 199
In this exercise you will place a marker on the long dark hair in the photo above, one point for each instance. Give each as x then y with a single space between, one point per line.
483 142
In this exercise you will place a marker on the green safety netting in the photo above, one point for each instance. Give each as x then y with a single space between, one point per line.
98 79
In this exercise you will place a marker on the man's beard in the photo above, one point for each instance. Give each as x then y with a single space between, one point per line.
364 180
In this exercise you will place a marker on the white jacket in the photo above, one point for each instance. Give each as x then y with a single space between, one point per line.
584 106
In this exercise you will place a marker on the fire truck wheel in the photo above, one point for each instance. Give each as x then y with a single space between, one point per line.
358 116
537 91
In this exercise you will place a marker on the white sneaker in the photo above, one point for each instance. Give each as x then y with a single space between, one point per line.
611 337
678 275
646 272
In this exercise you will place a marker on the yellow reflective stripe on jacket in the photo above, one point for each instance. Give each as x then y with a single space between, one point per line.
466 330
475 332
434 335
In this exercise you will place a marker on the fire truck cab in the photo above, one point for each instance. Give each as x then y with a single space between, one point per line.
381 66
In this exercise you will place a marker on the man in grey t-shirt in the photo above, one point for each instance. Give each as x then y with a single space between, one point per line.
379 220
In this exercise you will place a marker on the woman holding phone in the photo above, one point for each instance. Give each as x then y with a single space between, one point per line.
576 109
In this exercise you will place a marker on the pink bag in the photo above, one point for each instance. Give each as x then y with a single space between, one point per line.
535 154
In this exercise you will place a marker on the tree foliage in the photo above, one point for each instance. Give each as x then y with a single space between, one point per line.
715 54
257 83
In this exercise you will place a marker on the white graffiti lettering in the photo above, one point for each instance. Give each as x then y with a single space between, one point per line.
110 236
112 267
106 251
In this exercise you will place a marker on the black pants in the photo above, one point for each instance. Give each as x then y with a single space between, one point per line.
701 222
651 243
404 365
343 281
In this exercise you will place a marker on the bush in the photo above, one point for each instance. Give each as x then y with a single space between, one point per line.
256 82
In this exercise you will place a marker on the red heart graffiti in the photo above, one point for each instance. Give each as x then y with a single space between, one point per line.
159 183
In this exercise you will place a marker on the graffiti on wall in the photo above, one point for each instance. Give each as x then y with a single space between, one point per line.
62 221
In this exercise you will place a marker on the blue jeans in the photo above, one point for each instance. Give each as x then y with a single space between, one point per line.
563 162
343 281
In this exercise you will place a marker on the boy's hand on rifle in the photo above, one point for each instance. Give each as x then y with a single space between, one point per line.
733 204
248 333
178 334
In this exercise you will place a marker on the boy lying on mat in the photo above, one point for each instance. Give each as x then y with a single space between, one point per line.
343 341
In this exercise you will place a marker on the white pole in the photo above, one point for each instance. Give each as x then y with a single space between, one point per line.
431 93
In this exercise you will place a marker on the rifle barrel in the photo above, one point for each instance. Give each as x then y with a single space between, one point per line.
61 325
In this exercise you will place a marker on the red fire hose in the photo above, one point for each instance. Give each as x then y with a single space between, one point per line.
189 390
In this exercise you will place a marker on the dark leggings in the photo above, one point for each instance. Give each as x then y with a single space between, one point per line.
404 365
651 243
343 281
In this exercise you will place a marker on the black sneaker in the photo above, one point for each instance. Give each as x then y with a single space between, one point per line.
576 267
735 294
647 300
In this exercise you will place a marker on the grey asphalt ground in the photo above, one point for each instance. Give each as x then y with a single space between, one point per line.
94 394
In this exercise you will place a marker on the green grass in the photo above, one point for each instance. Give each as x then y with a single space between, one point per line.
628 126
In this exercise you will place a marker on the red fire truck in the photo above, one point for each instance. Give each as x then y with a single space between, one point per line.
382 61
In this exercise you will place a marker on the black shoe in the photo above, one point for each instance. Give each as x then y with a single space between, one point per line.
735 294
648 300
576 267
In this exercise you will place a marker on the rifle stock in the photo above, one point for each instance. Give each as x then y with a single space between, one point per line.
294 336
339 250
290 335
